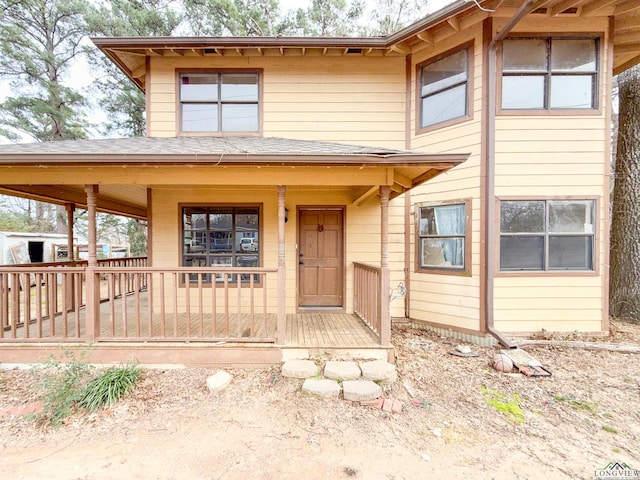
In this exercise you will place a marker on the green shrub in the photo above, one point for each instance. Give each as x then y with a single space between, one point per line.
109 386
62 384
71 385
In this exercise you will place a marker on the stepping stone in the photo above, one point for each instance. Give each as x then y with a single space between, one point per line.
358 390
324 387
378 371
218 381
299 369
342 370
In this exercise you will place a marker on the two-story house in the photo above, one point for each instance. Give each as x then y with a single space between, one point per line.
300 192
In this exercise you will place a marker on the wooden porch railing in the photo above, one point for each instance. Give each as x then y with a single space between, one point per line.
30 297
187 304
124 300
127 286
367 295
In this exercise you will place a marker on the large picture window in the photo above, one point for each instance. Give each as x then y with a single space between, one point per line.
442 236
549 73
219 102
444 89
547 235
221 236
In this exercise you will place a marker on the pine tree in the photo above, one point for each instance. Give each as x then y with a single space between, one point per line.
120 99
39 40
236 18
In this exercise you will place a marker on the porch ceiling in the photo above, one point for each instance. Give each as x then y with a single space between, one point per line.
123 168
127 200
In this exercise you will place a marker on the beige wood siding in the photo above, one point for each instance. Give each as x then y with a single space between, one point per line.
362 228
440 298
528 304
536 156
551 157
359 100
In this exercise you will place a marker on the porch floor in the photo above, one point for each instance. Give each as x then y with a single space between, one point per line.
322 329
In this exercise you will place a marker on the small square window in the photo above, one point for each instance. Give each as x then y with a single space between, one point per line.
219 102
442 231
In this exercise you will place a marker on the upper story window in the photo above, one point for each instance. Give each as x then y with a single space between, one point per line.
442 233
219 102
444 89
547 235
549 73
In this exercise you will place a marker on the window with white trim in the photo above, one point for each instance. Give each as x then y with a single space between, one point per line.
549 73
543 235
219 102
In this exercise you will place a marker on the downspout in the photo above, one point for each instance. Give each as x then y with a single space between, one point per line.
490 155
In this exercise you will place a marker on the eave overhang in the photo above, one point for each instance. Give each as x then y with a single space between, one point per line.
130 53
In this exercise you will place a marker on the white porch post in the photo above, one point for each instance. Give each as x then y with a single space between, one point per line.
92 312
282 277
385 282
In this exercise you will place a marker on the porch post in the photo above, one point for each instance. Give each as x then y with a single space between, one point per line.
71 298
71 207
92 312
282 278
385 283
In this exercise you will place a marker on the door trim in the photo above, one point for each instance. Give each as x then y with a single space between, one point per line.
307 208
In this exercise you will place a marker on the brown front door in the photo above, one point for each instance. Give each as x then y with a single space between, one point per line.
320 273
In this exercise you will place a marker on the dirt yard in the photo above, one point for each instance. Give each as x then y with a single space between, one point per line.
262 427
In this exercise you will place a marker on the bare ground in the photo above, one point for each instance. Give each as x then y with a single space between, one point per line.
262 427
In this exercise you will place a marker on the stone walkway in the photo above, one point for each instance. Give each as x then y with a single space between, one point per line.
357 381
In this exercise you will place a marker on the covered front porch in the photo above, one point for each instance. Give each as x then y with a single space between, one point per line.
313 275
48 310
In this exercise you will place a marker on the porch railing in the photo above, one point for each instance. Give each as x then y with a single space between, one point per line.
31 297
124 300
367 297
187 304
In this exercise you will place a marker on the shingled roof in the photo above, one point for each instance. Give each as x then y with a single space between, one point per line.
236 150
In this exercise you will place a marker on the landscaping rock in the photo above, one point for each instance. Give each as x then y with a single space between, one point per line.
219 381
358 390
324 387
299 369
378 371
342 370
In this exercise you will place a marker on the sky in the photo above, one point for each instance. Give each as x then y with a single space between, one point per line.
430 5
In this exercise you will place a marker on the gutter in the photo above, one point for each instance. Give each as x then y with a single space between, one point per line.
442 161
490 155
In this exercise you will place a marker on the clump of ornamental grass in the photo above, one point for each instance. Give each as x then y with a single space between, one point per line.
109 386
71 385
